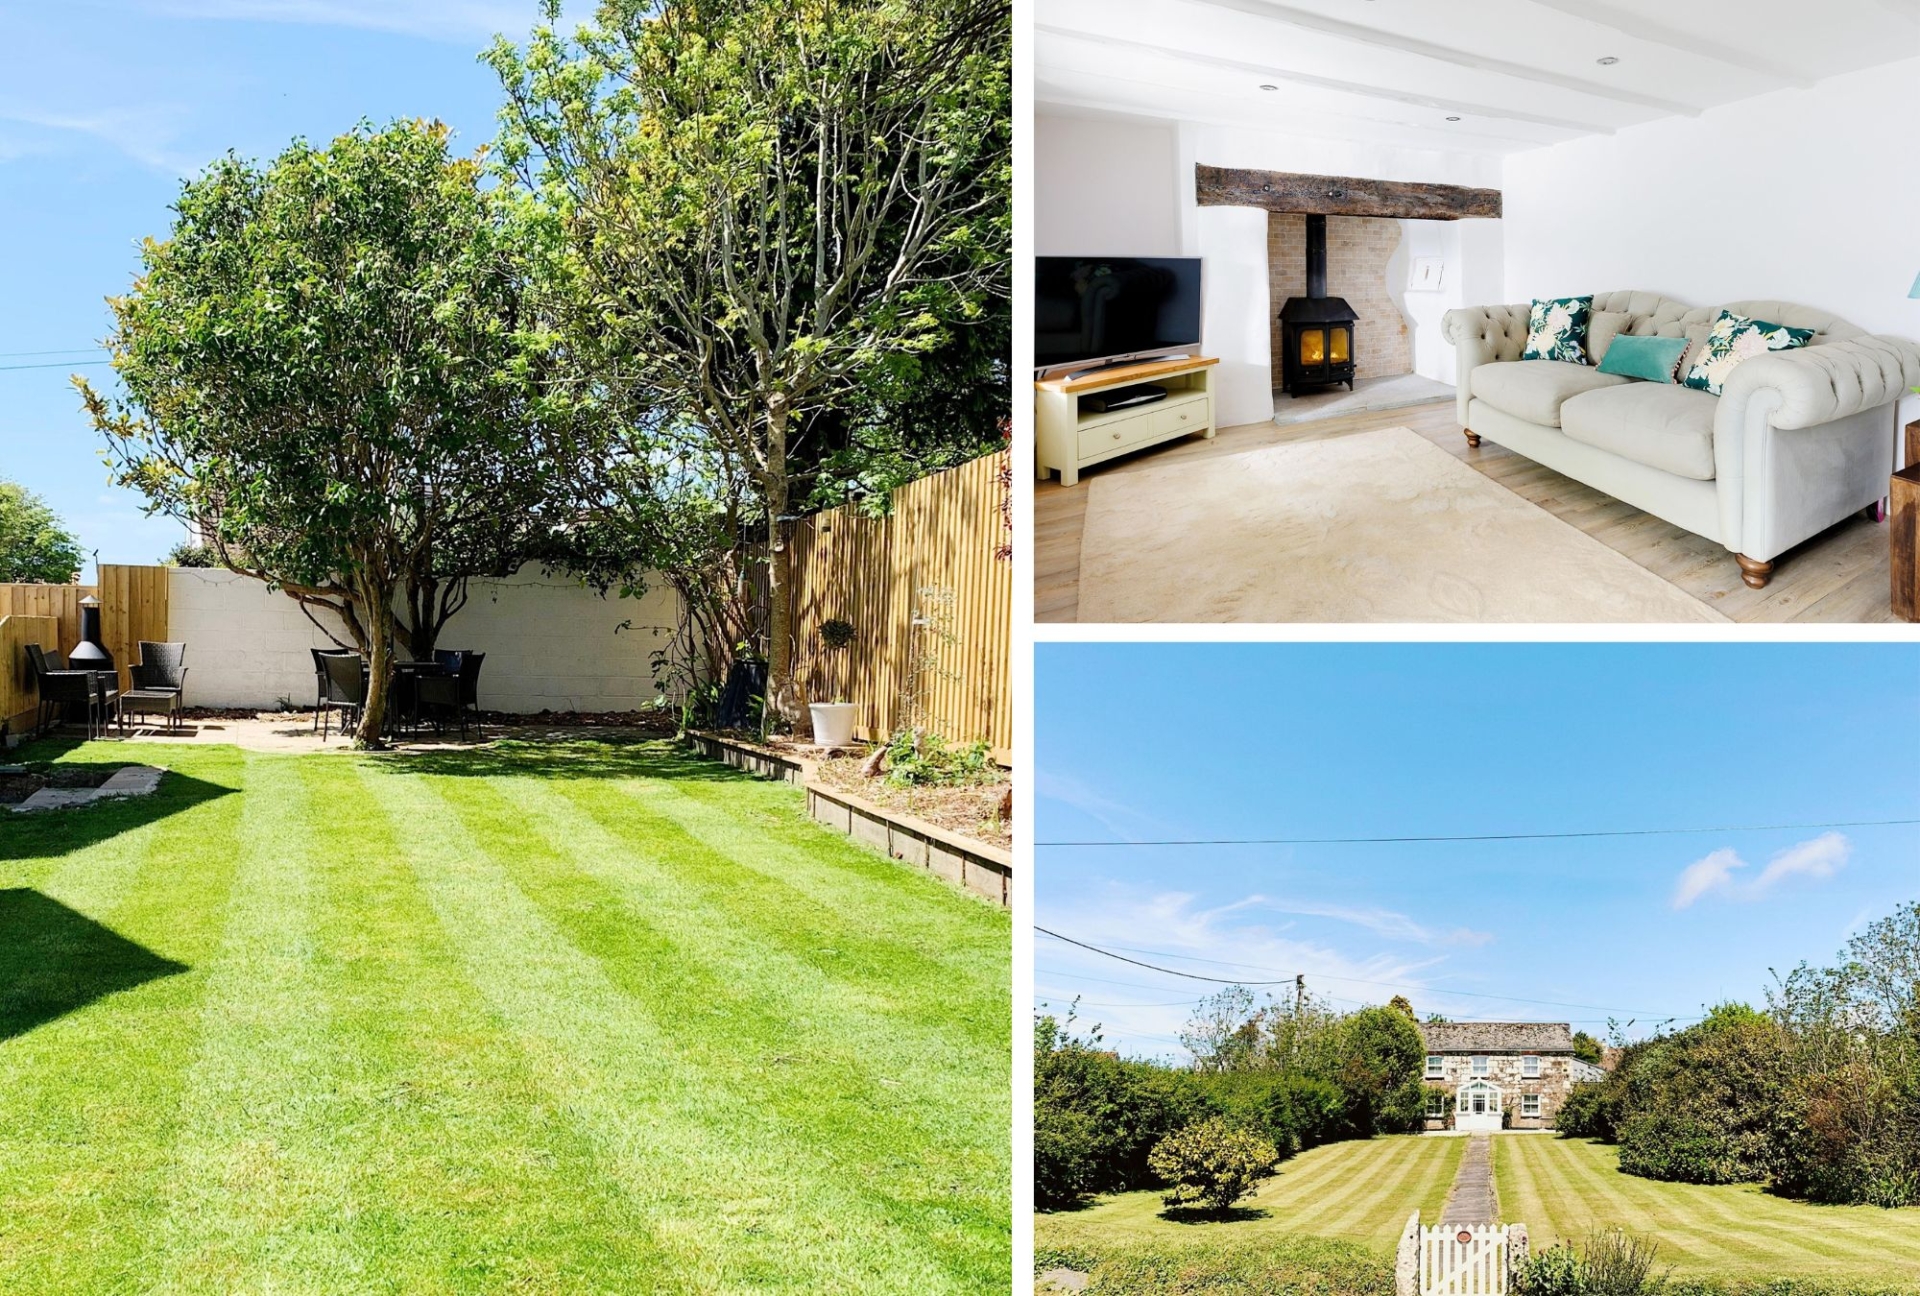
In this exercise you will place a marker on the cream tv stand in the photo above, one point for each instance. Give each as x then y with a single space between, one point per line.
1067 439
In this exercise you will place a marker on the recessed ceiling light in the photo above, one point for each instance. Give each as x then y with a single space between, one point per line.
1269 87
1453 119
1608 61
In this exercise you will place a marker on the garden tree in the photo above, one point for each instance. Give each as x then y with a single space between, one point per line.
333 369
1211 1164
1402 1004
1701 1104
35 547
764 209
1227 1031
1587 1048
1098 1116
1381 1058
189 553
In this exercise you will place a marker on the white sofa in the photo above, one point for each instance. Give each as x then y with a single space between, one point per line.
1797 441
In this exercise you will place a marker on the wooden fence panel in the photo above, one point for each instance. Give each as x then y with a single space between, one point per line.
61 602
942 535
133 606
19 699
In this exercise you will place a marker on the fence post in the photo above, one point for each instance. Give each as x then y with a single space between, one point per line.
1517 1249
1406 1259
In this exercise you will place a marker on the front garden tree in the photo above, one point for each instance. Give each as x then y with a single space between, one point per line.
332 370
766 209
36 547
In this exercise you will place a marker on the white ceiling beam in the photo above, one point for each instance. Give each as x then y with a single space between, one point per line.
1047 96
1057 91
1362 35
1632 24
1266 73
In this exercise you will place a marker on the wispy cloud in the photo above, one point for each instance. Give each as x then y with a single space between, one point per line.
1226 941
1117 817
1722 872
1383 922
451 20
147 134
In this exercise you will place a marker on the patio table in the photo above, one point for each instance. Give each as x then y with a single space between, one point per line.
148 701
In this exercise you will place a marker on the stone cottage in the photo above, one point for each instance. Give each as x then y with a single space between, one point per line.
1486 1076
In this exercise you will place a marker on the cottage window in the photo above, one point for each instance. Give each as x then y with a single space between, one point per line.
1436 1102
1480 1064
1529 1104
1436 1066
1530 1066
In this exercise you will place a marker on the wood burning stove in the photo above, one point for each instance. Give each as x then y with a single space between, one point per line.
1316 331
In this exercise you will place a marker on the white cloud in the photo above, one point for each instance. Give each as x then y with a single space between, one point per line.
1383 922
146 134
1116 817
1719 873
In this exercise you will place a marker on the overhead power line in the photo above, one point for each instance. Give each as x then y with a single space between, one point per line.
1485 837
68 364
85 350
1327 976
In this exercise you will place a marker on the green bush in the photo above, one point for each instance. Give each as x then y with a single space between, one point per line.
1618 1263
1557 1271
1381 1058
1700 1105
1099 1115
1211 1164
927 760
1591 1109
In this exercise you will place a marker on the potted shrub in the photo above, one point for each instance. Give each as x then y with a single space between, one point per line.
833 721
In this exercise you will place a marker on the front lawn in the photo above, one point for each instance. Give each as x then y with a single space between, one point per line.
1562 1188
1360 1192
568 1018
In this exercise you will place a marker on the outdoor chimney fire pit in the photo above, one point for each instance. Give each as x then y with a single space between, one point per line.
90 653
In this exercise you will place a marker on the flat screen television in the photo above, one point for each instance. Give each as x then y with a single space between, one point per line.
1089 311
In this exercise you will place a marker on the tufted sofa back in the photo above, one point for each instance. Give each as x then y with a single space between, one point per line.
1653 315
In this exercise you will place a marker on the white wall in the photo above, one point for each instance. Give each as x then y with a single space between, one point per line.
1103 187
550 645
1808 196
1233 249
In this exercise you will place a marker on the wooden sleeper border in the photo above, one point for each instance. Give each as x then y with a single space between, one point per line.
983 870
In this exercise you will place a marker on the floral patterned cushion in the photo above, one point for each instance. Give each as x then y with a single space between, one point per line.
1732 339
1557 329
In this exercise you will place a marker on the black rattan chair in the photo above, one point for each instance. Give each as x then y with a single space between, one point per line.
320 656
162 670
345 689
96 692
456 693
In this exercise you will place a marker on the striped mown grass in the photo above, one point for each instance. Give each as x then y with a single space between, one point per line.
1564 1188
1359 1192
572 1018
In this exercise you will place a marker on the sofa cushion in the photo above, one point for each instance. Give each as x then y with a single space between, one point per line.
1557 329
1533 389
1733 339
1606 326
1661 426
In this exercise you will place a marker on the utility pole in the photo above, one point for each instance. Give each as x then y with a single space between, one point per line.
1299 994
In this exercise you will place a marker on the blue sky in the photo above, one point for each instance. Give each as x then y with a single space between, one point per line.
105 105
1147 741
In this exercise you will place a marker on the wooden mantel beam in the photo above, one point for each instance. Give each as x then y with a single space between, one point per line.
1289 191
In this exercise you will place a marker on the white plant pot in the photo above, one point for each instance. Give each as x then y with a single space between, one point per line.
833 723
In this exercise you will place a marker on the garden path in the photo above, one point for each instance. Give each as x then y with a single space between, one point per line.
1473 1200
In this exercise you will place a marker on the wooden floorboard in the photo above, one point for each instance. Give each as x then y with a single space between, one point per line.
1840 575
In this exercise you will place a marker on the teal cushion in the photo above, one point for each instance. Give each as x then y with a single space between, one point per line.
1655 359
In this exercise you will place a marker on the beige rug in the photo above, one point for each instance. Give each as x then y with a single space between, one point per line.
1377 526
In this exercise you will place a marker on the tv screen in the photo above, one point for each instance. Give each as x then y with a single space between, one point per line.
1088 309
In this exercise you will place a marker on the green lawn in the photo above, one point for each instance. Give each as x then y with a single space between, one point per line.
1566 1187
580 1018
1360 1192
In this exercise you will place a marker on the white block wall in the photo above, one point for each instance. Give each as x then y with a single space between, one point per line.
550 644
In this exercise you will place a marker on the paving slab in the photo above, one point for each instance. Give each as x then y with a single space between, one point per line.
1473 1200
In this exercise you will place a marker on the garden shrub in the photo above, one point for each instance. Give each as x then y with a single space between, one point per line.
1618 1263
1381 1059
1590 1110
1557 1271
1679 1147
916 759
1101 1115
1211 1164
1700 1105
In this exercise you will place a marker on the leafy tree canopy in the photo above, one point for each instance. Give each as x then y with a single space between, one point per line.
332 367
35 546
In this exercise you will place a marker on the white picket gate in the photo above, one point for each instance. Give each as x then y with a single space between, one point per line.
1461 1260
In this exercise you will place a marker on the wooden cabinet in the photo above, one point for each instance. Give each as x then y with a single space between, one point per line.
1069 434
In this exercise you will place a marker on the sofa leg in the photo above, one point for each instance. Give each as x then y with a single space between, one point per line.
1754 572
1473 438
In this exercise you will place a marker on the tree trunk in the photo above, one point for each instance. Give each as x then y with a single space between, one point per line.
377 603
780 696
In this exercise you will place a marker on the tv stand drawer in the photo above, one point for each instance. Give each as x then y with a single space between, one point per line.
1108 436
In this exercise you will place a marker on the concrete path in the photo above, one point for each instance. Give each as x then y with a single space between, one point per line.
1473 1200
